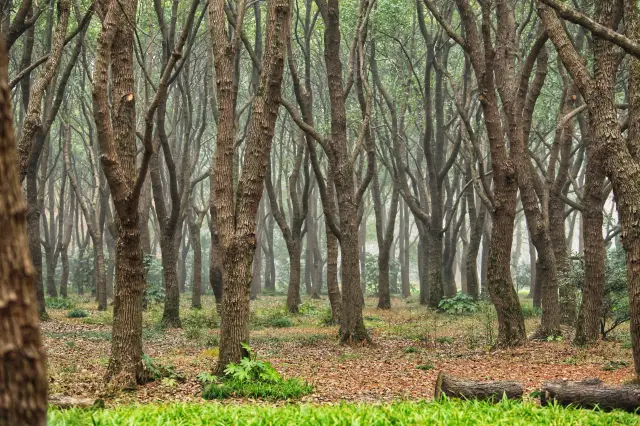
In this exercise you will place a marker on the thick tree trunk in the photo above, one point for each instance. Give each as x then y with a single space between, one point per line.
589 315
384 297
125 365
171 312
511 331
333 288
454 387
293 292
33 231
23 374
196 291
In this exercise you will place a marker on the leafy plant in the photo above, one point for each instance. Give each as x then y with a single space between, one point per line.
77 313
157 371
410 350
252 377
425 367
459 304
59 303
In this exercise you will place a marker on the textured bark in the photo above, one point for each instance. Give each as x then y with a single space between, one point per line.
476 226
590 393
618 160
23 377
194 233
454 387
236 209
115 124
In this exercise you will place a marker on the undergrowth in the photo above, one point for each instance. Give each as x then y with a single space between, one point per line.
450 413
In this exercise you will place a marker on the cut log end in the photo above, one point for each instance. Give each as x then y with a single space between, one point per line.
454 387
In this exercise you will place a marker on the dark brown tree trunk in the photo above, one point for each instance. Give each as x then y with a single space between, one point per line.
454 387
23 377
235 210
194 234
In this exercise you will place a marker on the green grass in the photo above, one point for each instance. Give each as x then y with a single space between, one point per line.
281 390
450 413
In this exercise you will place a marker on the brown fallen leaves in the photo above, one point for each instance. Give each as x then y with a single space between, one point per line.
78 353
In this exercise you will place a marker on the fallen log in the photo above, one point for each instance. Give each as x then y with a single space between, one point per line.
454 387
66 402
591 393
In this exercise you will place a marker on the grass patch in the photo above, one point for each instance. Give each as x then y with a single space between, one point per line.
281 390
425 367
451 413
276 318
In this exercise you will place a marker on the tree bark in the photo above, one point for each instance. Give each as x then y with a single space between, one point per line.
454 387
23 377
590 393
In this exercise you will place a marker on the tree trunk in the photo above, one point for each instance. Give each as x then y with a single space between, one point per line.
454 387
590 393
333 288
33 231
171 312
22 357
589 315
293 292
511 331
196 291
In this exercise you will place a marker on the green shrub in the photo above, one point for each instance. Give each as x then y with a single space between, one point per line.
77 313
326 318
59 303
458 304
410 350
155 288
277 318
252 378
530 311
615 306
201 318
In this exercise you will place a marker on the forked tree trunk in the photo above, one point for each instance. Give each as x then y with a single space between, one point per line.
236 209
22 358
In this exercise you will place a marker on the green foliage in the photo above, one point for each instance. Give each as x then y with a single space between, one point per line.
530 311
59 303
371 273
523 276
425 367
201 318
276 318
410 350
326 318
156 371
445 412
460 304
615 306
77 313
155 287
252 378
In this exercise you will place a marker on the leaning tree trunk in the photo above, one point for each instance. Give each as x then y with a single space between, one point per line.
23 374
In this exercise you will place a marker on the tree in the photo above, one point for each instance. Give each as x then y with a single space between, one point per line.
23 378
235 209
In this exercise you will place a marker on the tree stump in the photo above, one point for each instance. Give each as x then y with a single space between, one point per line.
466 389
590 393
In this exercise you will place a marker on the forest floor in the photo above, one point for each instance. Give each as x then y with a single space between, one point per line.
411 345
